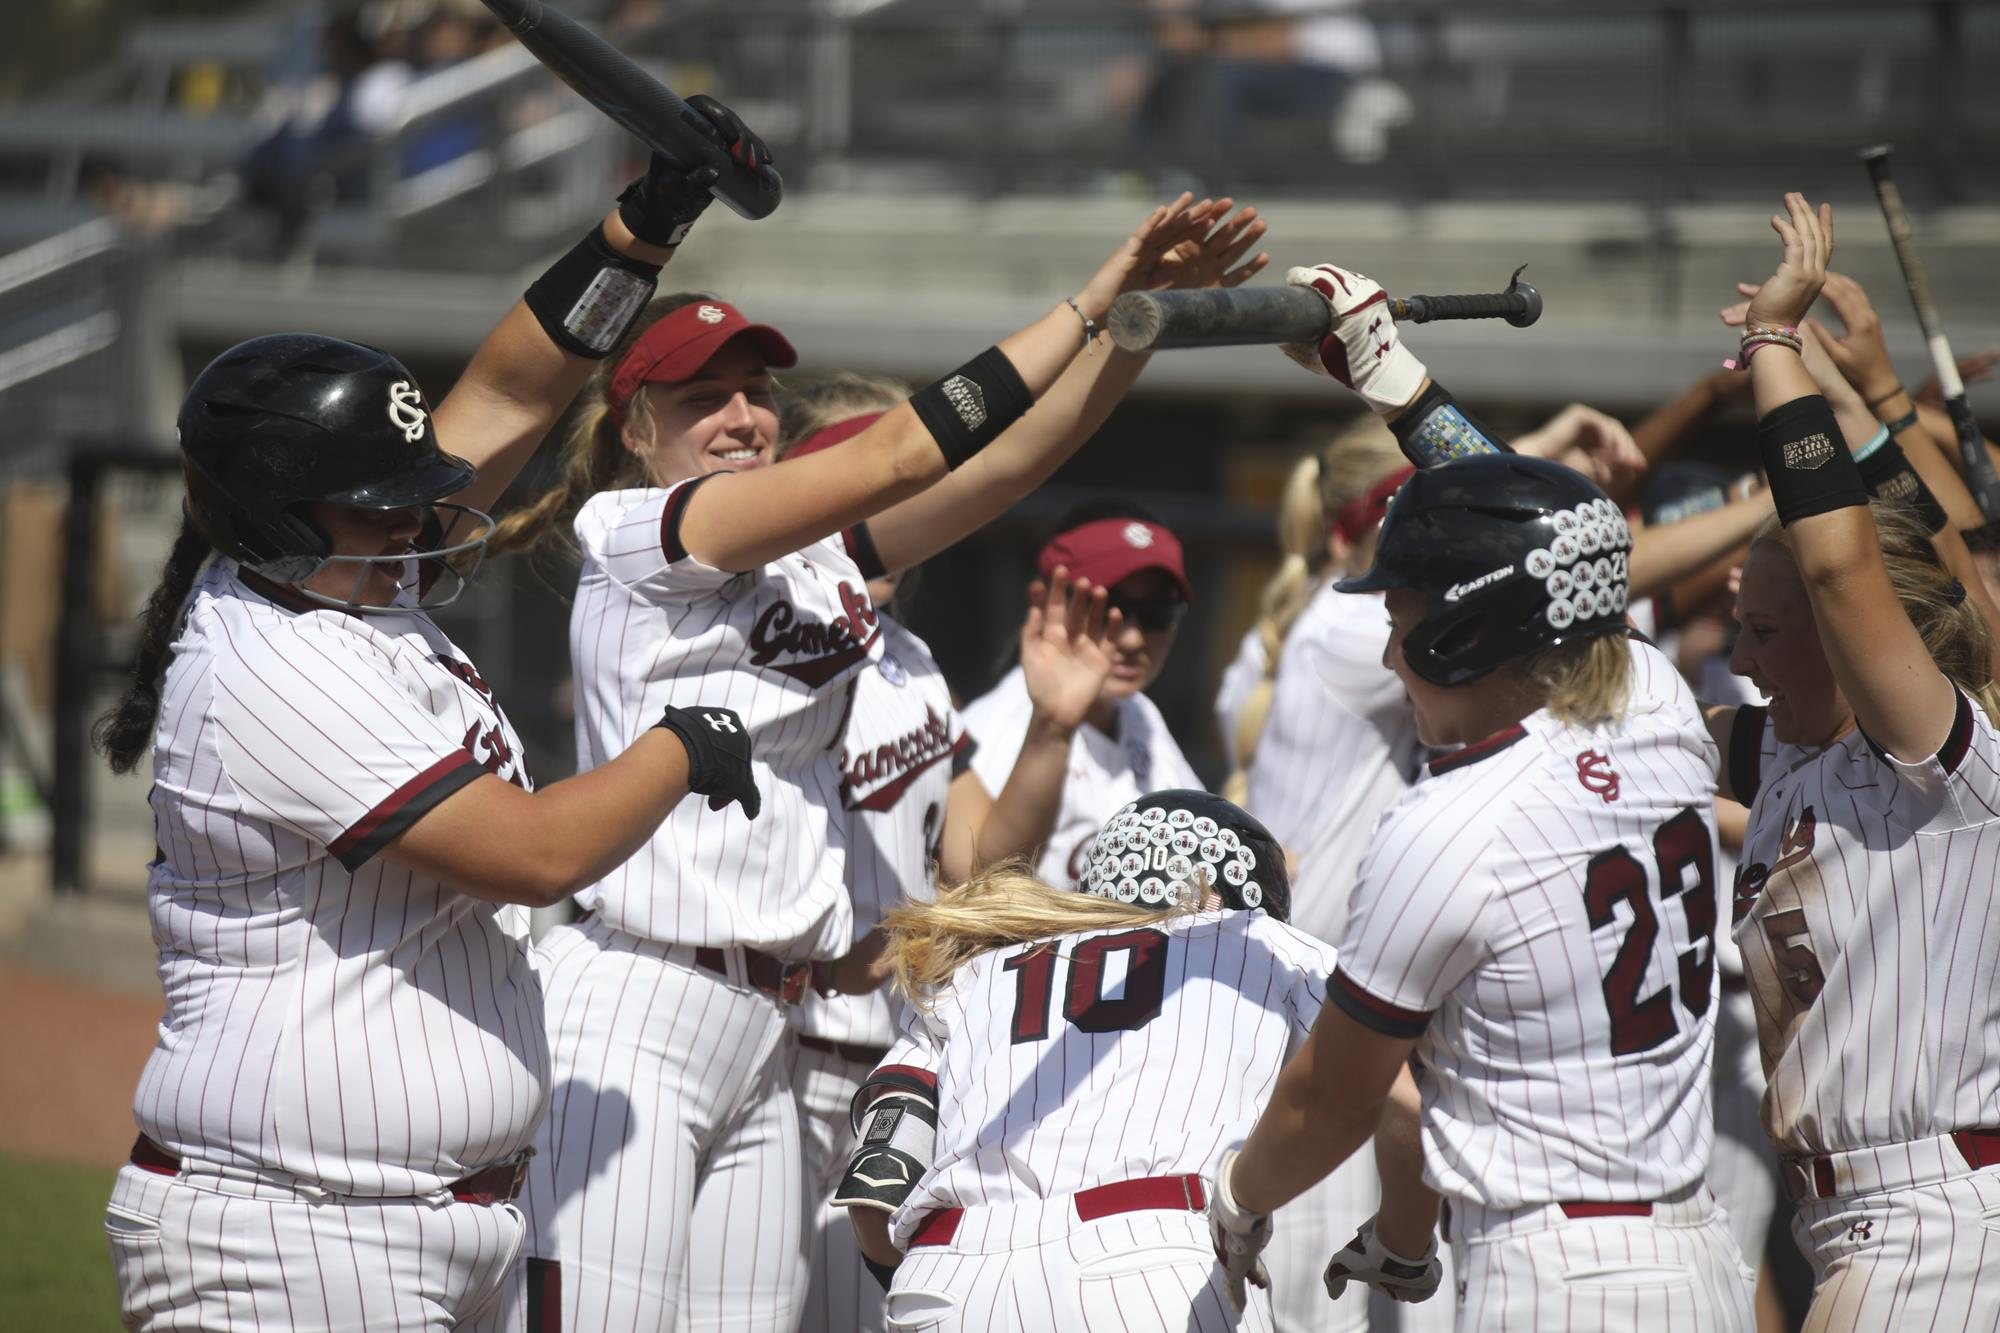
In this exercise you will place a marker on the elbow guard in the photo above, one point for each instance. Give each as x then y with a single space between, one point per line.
898 1140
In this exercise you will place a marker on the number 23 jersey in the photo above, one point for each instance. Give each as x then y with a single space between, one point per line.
1870 928
1106 1055
1540 913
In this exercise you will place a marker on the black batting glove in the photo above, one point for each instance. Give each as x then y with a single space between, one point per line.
662 206
718 756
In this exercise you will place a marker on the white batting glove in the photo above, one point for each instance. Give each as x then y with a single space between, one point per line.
1368 1261
1363 351
1239 1235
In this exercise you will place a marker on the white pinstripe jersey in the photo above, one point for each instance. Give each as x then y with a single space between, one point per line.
1870 931
329 1014
1339 748
653 626
1106 1055
1541 912
1105 772
905 743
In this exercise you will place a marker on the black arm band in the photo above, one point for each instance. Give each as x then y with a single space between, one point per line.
1435 429
1887 473
1809 469
590 296
969 408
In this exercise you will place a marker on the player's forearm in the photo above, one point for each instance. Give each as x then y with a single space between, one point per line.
1663 429
1007 470
1023 815
871 1233
1409 1210
1670 552
1303 1135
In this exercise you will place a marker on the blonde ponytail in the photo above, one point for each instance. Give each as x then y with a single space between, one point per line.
1320 485
1002 905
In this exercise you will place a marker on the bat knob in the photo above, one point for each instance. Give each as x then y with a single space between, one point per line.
1531 300
1877 153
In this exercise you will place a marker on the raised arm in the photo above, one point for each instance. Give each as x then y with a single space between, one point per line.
739 521
1898 695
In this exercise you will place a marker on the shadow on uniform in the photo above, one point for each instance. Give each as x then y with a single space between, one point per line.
608 1111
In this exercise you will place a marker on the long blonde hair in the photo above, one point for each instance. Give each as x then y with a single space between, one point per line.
1586 683
593 456
1954 631
1002 905
1320 485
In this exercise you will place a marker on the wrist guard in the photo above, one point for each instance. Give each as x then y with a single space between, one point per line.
1435 430
718 756
1810 471
1887 473
971 407
590 296
897 1143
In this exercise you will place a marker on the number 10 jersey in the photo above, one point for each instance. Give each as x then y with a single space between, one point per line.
1540 914
1105 1055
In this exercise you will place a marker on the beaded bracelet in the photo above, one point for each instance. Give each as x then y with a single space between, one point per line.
1762 338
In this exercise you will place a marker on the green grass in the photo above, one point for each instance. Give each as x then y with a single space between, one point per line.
55 1272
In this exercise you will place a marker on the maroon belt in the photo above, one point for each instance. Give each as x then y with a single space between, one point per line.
500 1183
1178 1193
1575 1209
1979 1147
771 976
846 1050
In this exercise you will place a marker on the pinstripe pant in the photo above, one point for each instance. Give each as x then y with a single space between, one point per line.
669 1176
1035 1268
844 1296
1925 1256
1743 1168
1526 1269
195 1254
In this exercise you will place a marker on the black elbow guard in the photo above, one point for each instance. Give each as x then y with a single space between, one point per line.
898 1141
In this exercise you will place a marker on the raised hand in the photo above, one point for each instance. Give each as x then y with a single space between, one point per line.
1212 260
1588 441
1363 351
1066 647
1165 229
1783 299
1860 352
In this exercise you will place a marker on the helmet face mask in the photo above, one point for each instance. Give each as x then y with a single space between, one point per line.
1512 555
1169 847
289 419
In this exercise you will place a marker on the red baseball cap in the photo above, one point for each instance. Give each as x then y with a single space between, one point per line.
1109 550
681 343
1363 514
828 436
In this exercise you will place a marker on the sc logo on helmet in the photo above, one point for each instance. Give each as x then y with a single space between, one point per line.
406 410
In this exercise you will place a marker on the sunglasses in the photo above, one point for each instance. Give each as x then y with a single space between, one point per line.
1160 611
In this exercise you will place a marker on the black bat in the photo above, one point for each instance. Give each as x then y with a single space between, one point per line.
637 101
1980 478
1239 316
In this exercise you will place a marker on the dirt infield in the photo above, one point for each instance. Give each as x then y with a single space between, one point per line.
70 1056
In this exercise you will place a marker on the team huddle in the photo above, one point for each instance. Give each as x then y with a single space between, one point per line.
882 1013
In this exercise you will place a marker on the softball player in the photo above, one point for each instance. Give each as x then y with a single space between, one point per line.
913 809
1864 901
335 1122
1125 749
1535 922
1032 1148
669 1175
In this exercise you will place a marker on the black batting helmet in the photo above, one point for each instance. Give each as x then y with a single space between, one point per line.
1152 850
294 417
1513 554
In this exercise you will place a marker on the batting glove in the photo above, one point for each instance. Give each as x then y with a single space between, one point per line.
662 206
1367 1260
1239 1235
1363 351
718 756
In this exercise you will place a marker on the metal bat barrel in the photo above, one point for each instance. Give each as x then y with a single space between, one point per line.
608 80
1243 316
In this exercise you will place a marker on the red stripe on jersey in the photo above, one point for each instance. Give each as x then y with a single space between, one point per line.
1478 750
403 807
1370 1012
1746 752
860 544
671 514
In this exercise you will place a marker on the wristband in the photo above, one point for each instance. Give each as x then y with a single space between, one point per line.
1867 451
589 297
1887 473
1809 473
1091 328
970 408
1878 401
1901 423
1434 430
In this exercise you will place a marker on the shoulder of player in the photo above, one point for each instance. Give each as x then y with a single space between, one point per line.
608 512
1306 952
1464 809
